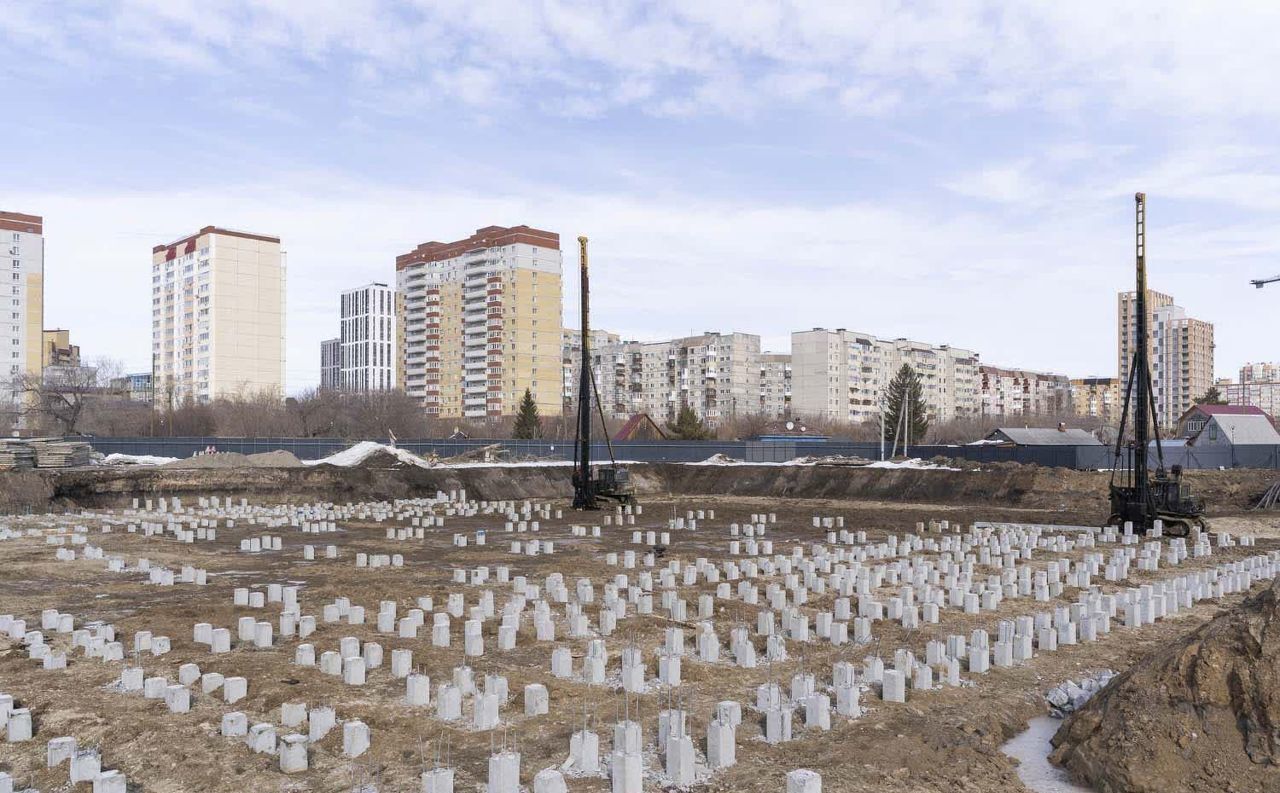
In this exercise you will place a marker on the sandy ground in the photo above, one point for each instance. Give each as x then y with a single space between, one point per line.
943 740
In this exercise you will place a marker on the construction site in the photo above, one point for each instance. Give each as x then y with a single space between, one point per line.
375 621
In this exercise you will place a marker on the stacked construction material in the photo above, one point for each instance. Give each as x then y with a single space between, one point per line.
55 453
15 455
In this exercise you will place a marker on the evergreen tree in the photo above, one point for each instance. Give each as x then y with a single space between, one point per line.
1211 397
528 422
688 427
906 391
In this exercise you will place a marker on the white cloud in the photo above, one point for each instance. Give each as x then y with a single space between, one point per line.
1168 59
972 279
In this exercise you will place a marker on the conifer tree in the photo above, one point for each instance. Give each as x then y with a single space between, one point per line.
905 391
688 427
528 422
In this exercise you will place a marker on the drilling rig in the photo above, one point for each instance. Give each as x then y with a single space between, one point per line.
606 482
1139 496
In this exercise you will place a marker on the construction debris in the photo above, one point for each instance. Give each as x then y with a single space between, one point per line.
54 453
16 455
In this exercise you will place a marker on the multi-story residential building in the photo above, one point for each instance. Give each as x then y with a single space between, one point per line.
715 374
775 385
842 375
1258 386
57 349
331 364
22 312
1260 373
368 336
1097 397
217 316
571 359
1181 353
482 322
1019 392
1265 395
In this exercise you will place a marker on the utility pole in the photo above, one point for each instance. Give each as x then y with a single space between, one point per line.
882 431
906 436
1261 282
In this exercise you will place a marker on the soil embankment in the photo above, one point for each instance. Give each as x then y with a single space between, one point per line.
1200 714
1024 487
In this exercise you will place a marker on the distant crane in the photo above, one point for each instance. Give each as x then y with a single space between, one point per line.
1261 282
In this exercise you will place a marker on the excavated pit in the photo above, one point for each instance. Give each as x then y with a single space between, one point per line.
1201 713
1051 490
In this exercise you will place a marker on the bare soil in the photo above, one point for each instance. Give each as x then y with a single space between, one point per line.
943 740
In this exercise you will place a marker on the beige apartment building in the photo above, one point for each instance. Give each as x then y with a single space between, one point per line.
482 322
1020 392
22 315
217 316
842 375
57 349
1097 397
1181 353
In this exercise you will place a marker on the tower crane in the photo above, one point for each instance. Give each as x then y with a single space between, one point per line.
1261 282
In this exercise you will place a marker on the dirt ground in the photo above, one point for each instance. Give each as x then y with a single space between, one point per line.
947 739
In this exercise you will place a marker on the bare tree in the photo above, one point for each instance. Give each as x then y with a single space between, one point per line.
55 399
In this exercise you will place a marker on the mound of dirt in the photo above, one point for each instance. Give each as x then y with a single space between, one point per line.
1201 714
276 459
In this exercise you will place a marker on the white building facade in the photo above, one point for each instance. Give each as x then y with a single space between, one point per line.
842 375
368 339
331 364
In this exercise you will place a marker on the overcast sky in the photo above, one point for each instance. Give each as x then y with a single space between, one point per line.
958 172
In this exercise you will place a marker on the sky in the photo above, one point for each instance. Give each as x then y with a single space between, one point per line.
957 172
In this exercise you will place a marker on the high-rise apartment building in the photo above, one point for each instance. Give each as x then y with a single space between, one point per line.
775 385
482 322
22 290
368 336
843 375
1097 397
1260 373
1259 386
331 364
1181 353
1019 392
217 316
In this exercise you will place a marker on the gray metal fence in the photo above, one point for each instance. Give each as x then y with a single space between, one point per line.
1078 457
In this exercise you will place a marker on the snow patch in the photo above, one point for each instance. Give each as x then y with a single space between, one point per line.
357 454
136 459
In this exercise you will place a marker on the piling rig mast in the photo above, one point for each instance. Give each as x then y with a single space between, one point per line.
605 482
1139 496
